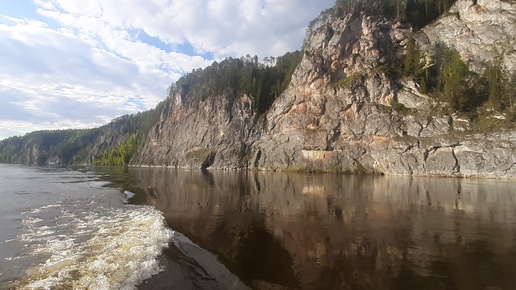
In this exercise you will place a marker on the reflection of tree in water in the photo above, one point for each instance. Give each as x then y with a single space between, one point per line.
304 231
261 257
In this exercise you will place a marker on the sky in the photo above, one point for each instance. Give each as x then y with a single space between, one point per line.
67 64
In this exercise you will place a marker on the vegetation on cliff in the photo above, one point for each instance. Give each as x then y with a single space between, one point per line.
416 12
444 75
37 147
439 71
119 155
263 81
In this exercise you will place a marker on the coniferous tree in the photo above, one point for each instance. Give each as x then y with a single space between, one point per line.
453 78
496 83
413 65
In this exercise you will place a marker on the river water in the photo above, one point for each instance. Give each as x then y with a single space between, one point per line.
94 228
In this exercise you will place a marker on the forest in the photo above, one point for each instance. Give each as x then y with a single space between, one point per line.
416 12
63 143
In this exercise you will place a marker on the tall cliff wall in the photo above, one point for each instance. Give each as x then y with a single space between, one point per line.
337 114
200 133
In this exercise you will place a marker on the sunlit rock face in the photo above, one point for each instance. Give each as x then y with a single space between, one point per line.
337 113
481 32
325 231
339 98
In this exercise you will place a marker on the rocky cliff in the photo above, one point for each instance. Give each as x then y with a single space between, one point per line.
340 110
480 30
215 132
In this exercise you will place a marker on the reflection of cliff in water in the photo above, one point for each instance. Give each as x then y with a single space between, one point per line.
277 230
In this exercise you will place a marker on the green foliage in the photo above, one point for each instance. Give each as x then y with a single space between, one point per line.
136 127
416 12
500 87
119 155
450 77
413 65
453 78
73 146
231 77
350 80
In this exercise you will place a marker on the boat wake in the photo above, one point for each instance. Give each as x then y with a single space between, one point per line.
85 244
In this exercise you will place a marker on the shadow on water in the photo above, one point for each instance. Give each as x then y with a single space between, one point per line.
325 231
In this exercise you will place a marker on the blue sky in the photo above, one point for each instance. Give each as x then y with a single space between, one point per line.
80 63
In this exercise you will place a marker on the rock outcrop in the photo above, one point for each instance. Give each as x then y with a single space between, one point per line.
480 30
341 112
214 132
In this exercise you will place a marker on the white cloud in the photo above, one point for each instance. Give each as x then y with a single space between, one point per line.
223 27
90 63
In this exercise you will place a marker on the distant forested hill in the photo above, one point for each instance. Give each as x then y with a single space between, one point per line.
112 144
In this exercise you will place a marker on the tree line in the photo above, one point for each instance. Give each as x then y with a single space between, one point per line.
262 81
75 146
62 143
120 154
416 12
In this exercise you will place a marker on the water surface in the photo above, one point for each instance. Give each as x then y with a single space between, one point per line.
64 228
327 231
141 228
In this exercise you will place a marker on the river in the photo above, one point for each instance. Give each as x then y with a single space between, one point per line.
142 228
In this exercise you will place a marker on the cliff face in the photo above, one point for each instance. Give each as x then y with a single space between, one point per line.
214 132
337 114
482 31
339 111
338 102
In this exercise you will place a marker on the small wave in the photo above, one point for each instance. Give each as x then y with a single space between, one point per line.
94 248
7 241
14 258
37 210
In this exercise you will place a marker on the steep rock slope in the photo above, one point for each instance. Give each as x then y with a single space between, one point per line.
337 114
200 133
339 99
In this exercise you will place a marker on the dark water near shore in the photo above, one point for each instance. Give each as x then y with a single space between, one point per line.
259 230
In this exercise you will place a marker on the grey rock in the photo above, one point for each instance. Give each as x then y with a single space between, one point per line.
479 32
337 115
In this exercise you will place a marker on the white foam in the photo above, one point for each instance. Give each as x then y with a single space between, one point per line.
97 248
129 194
